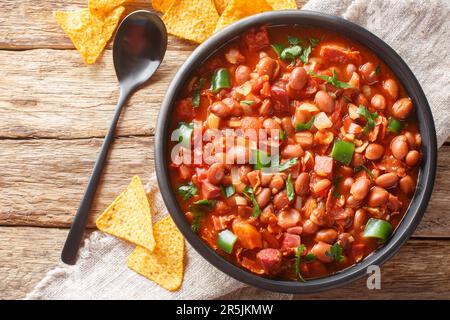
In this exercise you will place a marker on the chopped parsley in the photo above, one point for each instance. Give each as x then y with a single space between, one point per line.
377 70
248 192
305 126
228 191
290 188
363 167
335 253
247 103
333 80
310 257
298 255
370 117
198 208
305 55
185 131
187 191
196 97
336 181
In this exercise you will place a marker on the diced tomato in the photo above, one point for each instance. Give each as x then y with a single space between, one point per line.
184 110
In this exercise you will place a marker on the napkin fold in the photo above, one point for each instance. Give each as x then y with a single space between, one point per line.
418 30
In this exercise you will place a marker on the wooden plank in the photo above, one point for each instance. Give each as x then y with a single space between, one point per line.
38 29
44 179
52 93
420 270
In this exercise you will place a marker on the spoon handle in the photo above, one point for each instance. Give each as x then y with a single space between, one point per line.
70 250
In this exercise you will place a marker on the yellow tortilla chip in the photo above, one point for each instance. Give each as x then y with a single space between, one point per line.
162 5
282 4
89 33
129 217
103 7
194 20
238 9
221 5
165 265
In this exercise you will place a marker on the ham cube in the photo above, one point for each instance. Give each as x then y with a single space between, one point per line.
323 166
210 191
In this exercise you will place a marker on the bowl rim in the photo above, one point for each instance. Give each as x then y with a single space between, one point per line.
427 129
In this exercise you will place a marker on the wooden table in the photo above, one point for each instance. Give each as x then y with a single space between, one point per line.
54 112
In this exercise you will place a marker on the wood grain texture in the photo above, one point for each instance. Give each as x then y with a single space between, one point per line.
44 179
26 254
38 28
52 93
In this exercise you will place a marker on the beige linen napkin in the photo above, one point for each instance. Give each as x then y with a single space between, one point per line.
418 30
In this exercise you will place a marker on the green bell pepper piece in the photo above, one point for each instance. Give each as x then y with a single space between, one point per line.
343 151
376 228
220 80
226 241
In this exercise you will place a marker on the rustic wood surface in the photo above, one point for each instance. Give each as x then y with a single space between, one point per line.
54 112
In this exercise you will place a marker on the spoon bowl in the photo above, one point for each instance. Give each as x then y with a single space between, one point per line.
135 55
138 50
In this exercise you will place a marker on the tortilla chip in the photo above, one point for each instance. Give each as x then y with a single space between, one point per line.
103 7
129 216
221 5
165 265
282 4
194 20
162 5
89 33
238 9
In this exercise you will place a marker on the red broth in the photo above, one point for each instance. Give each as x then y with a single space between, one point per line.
349 152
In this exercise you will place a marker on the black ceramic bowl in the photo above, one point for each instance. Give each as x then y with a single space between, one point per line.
406 77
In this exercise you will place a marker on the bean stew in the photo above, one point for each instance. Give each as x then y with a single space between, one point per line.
295 152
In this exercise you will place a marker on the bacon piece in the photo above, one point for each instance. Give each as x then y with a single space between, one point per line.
336 53
256 39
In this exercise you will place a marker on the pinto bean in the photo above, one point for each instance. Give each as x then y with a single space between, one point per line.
368 72
263 197
345 240
286 123
301 185
387 180
298 78
320 217
321 185
377 197
220 109
215 173
324 101
288 218
352 202
407 185
358 159
391 87
412 158
346 185
360 219
269 124
326 235
309 227
292 151
399 147
243 171
242 74
277 182
280 200
374 151
360 188
321 251
378 102
402 108
267 66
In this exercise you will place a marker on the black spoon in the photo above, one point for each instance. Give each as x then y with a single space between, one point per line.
138 50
